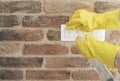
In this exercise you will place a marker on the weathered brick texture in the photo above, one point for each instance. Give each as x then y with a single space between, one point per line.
85 75
9 21
10 74
7 48
47 74
53 35
44 21
113 36
21 62
65 6
74 50
21 35
20 6
66 62
45 49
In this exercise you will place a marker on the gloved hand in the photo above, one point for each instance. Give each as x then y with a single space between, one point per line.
92 48
88 21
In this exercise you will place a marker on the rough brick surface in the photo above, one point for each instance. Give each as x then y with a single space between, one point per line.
20 6
4 7
47 74
8 21
53 35
45 49
102 6
20 62
66 62
9 48
62 6
113 36
44 21
10 74
85 75
74 50
21 35
25 6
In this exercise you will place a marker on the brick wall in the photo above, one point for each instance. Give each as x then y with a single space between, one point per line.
30 46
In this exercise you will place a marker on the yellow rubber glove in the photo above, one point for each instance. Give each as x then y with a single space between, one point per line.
92 48
88 21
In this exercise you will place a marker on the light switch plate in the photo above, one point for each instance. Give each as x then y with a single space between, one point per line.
69 35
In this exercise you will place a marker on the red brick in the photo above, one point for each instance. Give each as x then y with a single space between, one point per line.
66 62
47 75
4 7
85 75
21 35
74 50
102 6
10 74
7 48
44 21
113 36
68 6
32 35
20 6
45 49
8 21
53 35
25 6
21 62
